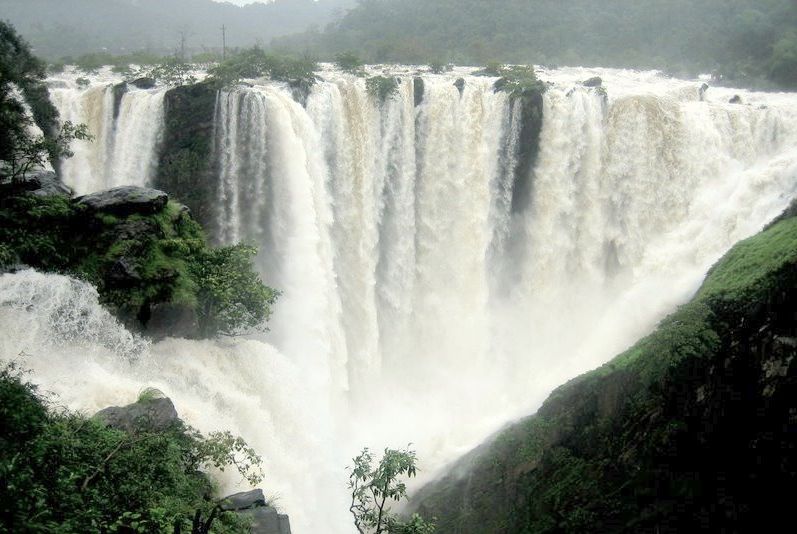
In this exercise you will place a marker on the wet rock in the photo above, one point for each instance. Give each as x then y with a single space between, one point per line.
460 85
154 414
735 99
252 504
144 82
119 91
702 91
418 89
168 319
126 200
42 183
596 81
244 500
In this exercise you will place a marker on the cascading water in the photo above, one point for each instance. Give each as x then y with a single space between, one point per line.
420 304
126 127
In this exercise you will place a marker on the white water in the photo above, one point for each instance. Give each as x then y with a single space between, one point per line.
417 306
125 148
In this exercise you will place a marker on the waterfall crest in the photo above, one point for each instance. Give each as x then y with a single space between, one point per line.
419 304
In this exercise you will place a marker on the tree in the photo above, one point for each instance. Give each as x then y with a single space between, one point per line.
24 106
232 298
373 487
349 61
29 151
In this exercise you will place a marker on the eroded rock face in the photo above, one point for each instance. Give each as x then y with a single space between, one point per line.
151 415
126 200
252 504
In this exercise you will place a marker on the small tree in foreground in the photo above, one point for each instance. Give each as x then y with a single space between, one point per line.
373 487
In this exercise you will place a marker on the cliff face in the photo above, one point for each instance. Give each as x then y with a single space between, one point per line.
186 157
692 428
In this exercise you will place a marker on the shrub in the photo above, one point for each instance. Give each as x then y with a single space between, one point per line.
63 472
349 62
381 87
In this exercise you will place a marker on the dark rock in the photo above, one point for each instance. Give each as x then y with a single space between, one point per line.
735 99
244 500
152 415
144 83
43 183
703 89
186 163
168 319
596 81
460 85
418 89
126 200
252 504
122 273
137 230
119 91
300 89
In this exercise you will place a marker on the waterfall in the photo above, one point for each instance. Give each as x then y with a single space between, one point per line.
126 134
418 303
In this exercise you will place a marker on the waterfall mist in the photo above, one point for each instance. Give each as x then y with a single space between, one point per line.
423 301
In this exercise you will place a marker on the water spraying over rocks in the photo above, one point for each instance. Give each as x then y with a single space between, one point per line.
427 297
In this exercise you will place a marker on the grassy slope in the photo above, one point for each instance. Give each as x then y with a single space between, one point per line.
692 427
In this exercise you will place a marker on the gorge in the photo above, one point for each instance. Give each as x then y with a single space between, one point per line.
442 268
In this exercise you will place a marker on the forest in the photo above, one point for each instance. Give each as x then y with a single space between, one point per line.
749 41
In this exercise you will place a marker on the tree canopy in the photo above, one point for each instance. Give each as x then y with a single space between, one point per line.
740 39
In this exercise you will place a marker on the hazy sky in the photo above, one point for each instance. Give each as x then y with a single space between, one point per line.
242 2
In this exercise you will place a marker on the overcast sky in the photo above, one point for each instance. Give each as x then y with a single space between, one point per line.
242 2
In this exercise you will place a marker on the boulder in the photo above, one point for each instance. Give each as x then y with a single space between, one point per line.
596 81
153 414
460 85
244 500
144 82
252 504
126 200
43 183
735 99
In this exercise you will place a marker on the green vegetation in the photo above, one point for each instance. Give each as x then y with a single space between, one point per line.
374 486
382 87
231 297
256 63
692 425
138 261
517 80
750 41
350 62
22 82
63 472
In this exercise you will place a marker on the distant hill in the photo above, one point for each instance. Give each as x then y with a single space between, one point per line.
58 28
742 39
